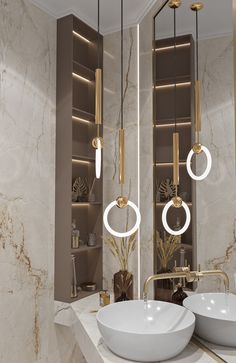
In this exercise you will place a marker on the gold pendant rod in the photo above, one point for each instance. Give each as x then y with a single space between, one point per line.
122 156
176 159
98 102
198 124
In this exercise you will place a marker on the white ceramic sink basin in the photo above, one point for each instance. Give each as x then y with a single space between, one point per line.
145 332
215 317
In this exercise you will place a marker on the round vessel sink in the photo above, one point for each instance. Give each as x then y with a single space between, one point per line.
215 317
145 332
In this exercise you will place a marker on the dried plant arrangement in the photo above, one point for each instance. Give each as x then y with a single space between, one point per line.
121 248
166 248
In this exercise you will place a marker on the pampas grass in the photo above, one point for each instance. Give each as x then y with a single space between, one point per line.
166 248
121 249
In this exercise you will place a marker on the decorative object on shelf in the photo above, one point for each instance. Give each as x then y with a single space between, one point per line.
179 295
176 201
122 201
104 298
166 248
184 196
122 250
97 142
88 286
75 236
92 240
167 190
198 148
80 189
74 292
92 197
123 286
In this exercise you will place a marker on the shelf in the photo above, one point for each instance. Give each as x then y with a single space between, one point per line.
85 249
172 85
77 64
85 204
181 163
172 125
172 47
82 159
162 204
81 37
177 79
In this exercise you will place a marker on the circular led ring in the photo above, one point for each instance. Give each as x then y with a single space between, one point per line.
121 234
98 159
208 167
164 219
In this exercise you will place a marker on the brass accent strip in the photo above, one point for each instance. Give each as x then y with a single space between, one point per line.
197 6
174 4
122 156
213 355
98 103
197 106
176 158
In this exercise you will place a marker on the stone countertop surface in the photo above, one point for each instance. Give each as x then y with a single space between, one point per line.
81 316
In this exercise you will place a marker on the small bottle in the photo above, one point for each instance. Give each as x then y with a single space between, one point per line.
75 236
179 295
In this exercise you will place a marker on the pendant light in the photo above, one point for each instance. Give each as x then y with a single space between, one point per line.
176 201
97 142
122 201
198 148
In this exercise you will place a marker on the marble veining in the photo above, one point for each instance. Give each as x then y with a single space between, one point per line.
27 189
216 196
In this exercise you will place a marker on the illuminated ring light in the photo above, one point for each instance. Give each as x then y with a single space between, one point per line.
121 234
208 167
164 219
98 159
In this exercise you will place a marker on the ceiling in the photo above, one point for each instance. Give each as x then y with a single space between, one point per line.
86 10
215 19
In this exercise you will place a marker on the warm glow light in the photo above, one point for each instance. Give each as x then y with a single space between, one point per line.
98 159
80 204
182 124
164 219
81 37
173 47
80 77
208 167
80 161
181 163
121 234
81 119
181 84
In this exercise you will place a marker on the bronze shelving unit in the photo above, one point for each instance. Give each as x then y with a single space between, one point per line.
77 47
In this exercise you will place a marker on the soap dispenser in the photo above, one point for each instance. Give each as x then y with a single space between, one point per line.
179 295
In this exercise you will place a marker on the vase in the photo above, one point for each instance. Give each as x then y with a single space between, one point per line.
164 288
123 286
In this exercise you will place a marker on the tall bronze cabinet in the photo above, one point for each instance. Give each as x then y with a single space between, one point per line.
169 69
77 58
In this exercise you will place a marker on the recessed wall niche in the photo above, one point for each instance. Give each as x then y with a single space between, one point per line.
77 58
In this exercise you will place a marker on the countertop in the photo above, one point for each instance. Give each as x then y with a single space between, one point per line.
81 315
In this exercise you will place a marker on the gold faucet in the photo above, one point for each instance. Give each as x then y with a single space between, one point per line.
190 276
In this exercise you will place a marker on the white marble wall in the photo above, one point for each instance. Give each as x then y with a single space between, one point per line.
216 196
111 187
27 186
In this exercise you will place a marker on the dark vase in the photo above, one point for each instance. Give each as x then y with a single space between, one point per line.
164 288
123 286
179 296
